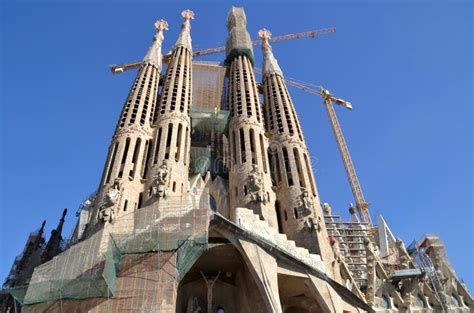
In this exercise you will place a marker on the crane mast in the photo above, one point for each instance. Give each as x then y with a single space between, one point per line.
361 205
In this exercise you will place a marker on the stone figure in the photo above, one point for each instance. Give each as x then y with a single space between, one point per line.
312 223
306 204
255 185
111 198
160 180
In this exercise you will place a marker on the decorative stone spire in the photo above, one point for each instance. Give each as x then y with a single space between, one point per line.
53 247
270 64
169 159
154 55
184 38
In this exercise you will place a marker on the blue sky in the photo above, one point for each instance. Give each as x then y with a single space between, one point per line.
405 66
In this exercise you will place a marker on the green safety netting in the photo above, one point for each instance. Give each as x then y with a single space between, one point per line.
89 268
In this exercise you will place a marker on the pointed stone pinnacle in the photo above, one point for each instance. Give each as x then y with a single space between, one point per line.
161 25
187 14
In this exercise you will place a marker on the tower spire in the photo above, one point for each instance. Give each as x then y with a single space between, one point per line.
154 55
170 157
122 186
184 38
270 64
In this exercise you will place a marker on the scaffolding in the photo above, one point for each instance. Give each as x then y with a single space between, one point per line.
423 261
350 237
89 269
209 88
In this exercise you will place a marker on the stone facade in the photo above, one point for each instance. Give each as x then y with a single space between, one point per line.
158 237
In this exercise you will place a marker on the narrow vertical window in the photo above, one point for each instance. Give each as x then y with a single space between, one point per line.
286 160
168 141
140 200
111 162
296 212
308 169
124 157
177 155
125 206
271 158
186 150
146 158
252 146
264 156
242 146
278 215
174 186
234 149
136 151
157 146
298 167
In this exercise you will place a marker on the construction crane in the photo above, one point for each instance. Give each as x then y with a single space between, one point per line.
120 68
361 205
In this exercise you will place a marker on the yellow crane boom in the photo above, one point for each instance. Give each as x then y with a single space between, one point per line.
120 68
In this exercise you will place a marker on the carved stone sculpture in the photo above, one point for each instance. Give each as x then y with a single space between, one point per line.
160 180
111 198
306 204
255 185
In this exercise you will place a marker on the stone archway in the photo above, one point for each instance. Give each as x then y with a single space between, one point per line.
234 289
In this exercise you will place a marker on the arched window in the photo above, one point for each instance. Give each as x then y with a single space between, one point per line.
242 146
111 164
286 161
252 146
168 141
124 157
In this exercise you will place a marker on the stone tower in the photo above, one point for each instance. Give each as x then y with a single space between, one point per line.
298 207
170 161
249 178
122 186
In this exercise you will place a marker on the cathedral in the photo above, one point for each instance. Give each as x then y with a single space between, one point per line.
208 203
